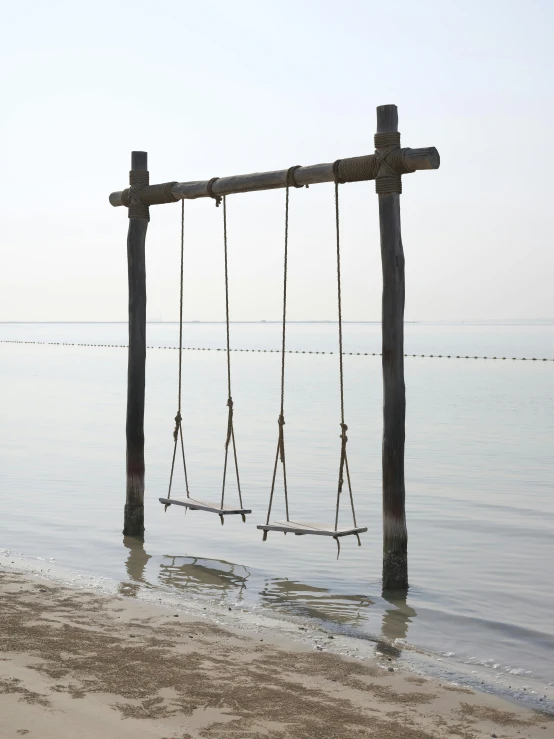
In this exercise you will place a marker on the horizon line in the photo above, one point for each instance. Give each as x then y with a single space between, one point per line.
279 322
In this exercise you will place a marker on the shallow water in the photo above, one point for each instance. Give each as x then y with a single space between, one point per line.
479 478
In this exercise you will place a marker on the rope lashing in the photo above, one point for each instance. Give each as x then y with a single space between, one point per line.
356 169
336 172
390 164
290 176
159 194
138 179
152 194
210 191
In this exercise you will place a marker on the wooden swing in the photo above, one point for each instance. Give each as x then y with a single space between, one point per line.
194 504
294 526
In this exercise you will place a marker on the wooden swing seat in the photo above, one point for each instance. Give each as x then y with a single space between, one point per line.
201 505
301 529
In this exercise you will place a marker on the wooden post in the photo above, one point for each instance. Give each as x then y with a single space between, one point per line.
138 224
395 534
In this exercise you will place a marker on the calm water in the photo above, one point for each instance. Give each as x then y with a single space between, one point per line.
479 477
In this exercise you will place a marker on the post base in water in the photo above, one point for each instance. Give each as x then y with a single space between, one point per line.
133 520
395 571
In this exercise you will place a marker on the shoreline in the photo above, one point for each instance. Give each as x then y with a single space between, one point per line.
122 666
517 687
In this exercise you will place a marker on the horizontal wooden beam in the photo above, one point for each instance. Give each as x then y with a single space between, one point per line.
354 169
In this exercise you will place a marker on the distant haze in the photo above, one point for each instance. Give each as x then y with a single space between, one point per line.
225 88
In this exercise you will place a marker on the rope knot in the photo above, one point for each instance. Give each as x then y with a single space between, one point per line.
229 422
281 443
178 420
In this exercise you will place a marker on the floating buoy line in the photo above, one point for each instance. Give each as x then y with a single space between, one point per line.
278 351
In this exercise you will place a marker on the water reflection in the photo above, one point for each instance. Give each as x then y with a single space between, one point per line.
397 619
204 576
315 602
135 565
137 558
220 579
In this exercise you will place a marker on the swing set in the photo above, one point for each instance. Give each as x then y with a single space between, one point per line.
386 166
293 526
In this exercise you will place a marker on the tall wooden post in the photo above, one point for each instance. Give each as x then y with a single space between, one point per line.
136 238
395 533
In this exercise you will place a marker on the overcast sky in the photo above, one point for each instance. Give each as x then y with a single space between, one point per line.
221 88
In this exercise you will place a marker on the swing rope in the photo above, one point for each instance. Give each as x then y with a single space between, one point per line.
230 437
280 453
178 430
343 465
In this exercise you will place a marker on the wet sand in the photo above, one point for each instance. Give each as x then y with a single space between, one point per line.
79 664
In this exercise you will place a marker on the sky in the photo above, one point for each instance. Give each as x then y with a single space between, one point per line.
230 87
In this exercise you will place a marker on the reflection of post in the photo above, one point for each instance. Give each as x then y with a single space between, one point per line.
137 559
396 620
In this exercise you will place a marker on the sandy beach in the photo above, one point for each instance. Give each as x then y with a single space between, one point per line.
76 663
